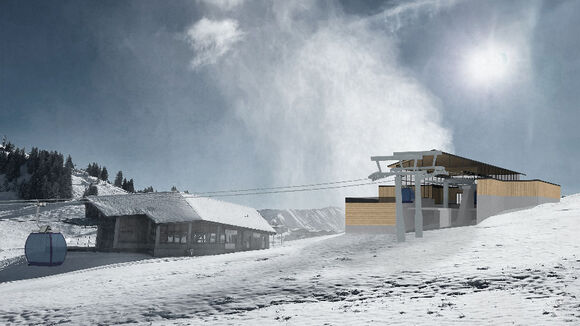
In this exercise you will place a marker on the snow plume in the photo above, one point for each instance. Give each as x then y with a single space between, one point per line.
322 91
212 39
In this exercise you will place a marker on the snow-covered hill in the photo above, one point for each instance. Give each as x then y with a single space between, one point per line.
81 180
330 219
516 268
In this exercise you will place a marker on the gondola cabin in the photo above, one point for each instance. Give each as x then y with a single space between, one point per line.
45 249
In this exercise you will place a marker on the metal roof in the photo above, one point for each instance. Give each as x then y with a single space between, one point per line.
460 166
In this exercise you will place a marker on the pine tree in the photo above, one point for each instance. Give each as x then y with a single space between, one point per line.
66 184
104 174
130 186
174 189
94 170
69 163
119 179
124 184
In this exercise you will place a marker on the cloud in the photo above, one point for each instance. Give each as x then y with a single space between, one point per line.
211 39
322 92
224 4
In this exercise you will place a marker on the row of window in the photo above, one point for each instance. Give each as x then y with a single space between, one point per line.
177 233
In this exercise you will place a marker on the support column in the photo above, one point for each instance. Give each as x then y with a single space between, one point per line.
157 238
116 234
399 209
189 234
445 194
418 207
466 206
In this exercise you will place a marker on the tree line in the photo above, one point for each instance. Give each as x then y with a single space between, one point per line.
43 174
39 175
94 170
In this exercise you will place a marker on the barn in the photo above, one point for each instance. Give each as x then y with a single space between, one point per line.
435 189
175 224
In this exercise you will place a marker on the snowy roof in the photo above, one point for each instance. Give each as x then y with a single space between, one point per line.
174 207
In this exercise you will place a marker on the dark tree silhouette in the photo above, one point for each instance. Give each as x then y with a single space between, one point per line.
104 174
119 179
69 163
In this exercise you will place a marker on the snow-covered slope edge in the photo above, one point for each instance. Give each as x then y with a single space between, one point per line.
81 180
302 223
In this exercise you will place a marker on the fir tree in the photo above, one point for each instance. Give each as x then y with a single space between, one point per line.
119 179
104 174
69 163
130 186
174 189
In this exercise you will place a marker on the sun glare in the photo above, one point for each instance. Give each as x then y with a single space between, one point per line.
488 65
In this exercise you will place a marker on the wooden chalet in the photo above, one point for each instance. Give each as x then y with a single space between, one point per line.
176 224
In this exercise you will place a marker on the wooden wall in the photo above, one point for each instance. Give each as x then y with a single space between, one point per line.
527 188
370 214
387 191
428 191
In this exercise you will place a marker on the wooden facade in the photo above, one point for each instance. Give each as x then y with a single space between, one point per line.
434 192
527 188
376 213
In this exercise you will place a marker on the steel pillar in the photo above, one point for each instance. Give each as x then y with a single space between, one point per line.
445 194
418 207
399 209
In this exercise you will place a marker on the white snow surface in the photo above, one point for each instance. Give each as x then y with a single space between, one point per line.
171 207
81 181
320 219
516 268
228 213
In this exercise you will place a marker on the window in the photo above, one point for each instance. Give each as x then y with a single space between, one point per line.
173 233
199 237
231 238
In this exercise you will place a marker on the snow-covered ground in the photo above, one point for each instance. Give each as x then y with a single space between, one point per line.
516 268
81 181
17 221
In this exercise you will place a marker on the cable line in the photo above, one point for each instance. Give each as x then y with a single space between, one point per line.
286 191
274 188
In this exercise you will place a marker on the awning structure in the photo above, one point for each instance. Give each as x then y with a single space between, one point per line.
460 166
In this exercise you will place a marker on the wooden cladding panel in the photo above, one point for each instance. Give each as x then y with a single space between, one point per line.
386 191
428 191
531 188
370 214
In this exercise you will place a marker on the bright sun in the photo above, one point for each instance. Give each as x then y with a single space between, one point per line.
488 65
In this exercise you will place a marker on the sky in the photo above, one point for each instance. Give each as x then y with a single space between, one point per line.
233 94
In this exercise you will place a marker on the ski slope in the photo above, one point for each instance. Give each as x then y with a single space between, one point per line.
520 267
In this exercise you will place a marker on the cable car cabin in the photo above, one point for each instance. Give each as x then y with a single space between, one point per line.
45 249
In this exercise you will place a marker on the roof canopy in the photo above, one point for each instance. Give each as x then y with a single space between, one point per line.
174 207
461 166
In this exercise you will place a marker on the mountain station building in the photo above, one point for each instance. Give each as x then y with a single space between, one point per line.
175 224
452 191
